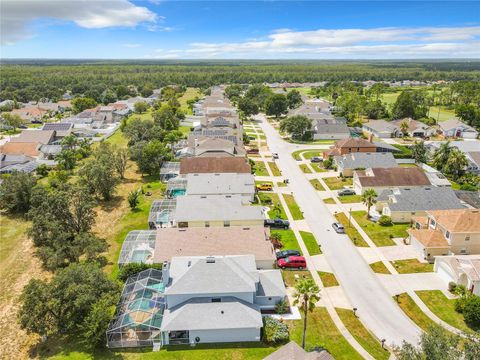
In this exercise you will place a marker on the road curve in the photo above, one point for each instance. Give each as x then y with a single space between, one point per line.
376 308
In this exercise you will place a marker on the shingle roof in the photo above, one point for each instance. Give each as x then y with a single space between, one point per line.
392 177
214 165
292 351
464 220
429 238
354 142
220 183
34 136
454 123
366 160
472 198
325 126
271 283
19 148
381 125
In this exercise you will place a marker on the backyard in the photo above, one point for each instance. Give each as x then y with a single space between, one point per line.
380 235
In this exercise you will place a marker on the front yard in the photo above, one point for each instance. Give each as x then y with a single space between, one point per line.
288 240
260 169
317 185
337 183
310 243
352 233
379 268
293 207
412 310
271 200
349 199
328 279
290 277
380 235
411 266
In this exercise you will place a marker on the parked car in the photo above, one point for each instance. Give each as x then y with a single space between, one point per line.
264 187
252 138
275 155
338 228
286 253
277 223
345 192
316 159
252 151
297 262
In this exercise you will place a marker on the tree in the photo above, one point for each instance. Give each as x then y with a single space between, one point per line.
133 198
137 130
147 90
258 94
247 107
456 163
419 152
66 303
441 155
294 99
369 199
67 159
404 127
469 306
297 126
82 103
149 156
410 104
306 294
469 114
109 97
375 110
140 107
277 209
276 105
233 92
171 138
13 120
168 117
16 192
120 160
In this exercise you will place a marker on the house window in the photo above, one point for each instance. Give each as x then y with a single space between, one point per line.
216 300
226 223
207 223
269 299
183 224
432 222
447 234
467 238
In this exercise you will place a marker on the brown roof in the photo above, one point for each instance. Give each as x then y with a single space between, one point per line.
354 142
292 351
214 165
459 220
429 238
393 177
34 136
205 241
19 148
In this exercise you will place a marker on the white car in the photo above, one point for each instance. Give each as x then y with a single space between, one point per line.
275 155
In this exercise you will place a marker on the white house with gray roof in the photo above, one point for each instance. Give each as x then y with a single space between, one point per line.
347 163
222 184
457 128
217 299
402 204
381 129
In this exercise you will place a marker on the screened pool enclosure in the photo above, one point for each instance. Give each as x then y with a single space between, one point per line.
138 247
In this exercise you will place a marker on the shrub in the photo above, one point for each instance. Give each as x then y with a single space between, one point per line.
42 170
274 331
452 286
282 307
385 220
133 198
134 268
471 311
327 163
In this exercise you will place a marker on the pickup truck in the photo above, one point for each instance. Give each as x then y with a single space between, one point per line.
277 223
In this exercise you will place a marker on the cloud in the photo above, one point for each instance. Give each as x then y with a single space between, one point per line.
17 15
381 43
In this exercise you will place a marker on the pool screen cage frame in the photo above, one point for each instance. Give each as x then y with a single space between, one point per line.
136 240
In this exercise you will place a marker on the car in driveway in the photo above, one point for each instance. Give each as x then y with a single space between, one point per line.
286 253
316 159
345 192
296 262
277 223
338 228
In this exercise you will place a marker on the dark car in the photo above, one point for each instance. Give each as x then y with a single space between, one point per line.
286 253
277 223
338 228
316 159
297 262
345 192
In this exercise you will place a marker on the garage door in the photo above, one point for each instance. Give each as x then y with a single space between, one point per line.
445 274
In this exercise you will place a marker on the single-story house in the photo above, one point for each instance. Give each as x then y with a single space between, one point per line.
461 270
351 145
381 129
204 146
222 184
236 165
457 128
325 129
381 179
17 163
473 158
415 128
401 204
61 129
348 163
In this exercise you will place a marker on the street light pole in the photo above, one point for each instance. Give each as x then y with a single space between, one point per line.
349 217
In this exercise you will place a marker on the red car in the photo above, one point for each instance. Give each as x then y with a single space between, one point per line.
292 262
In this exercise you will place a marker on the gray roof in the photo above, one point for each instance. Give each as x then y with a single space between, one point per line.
381 126
384 145
215 208
57 126
51 149
203 314
224 183
212 275
366 160
330 126
271 283
421 199
453 124
472 198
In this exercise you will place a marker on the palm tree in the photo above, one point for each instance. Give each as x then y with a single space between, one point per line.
456 163
404 127
441 155
277 208
368 199
306 294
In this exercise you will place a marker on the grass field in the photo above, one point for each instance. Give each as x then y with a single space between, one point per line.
318 167
317 185
379 268
288 239
348 199
328 279
380 235
305 169
274 169
352 233
411 266
189 94
260 169
310 243
271 199
329 201
412 310
293 207
290 277
362 335
336 183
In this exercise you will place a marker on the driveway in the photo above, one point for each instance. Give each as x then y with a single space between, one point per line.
375 305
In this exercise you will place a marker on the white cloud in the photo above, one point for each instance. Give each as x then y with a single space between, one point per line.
17 15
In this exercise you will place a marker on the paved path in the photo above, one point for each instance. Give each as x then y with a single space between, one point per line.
376 308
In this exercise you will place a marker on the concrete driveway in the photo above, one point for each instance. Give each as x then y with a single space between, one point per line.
362 287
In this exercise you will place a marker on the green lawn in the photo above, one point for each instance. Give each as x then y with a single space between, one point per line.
362 335
118 139
190 93
271 199
412 310
411 266
310 243
328 279
312 153
317 184
445 114
290 277
329 201
336 183
281 184
274 169
352 233
321 331
305 168
348 199
380 235
318 168
288 240
260 169
380 268
296 154
444 308
293 207
259 182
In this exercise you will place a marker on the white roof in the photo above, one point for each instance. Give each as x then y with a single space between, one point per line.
220 183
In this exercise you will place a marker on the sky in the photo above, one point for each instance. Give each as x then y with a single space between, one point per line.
160 29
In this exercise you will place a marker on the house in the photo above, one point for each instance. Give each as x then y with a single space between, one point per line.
214 241
236 165
415 128
28 143
61 129
217 299
216 210
471 199
461 270
435 177
351 145
456 128
324 129
30 149
346 164
446 232
105 114
17 163
473 158
401 204
203 146
470 148
381 179
30 113
292 351
381 129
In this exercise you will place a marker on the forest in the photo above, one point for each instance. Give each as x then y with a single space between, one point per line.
26 80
